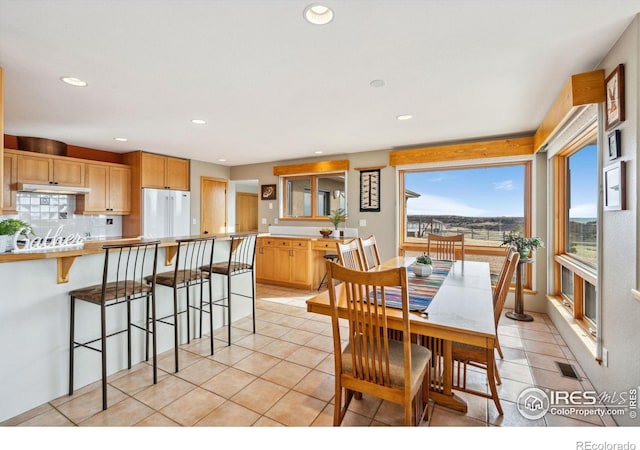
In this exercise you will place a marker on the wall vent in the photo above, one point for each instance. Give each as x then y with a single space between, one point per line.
568 370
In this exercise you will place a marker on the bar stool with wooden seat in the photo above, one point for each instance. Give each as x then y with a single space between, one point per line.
192 253
123 281
242 256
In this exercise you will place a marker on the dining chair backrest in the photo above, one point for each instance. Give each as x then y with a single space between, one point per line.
501 290
350 255
503 271
369 251
446 247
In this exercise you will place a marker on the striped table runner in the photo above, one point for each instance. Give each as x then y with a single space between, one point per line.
421 289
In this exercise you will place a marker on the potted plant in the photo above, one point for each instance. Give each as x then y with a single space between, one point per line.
8 228
422 267
336 216
524 245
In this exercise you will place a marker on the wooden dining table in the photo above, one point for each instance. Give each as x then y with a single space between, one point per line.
461 311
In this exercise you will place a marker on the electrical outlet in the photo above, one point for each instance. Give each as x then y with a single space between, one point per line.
605 357
264 221
109 221
275 221
363 222
270 205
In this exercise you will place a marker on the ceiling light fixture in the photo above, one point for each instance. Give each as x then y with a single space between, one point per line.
74 81
198 121
377 83
404 117
318 152
120 139
222 160
318 14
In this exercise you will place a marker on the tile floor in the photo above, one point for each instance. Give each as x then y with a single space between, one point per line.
283 376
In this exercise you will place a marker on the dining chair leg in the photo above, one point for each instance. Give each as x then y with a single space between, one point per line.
72 320
491 366
499 349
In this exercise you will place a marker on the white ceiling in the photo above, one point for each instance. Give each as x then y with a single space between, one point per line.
274 87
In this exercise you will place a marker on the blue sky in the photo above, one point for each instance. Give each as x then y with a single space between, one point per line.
496 191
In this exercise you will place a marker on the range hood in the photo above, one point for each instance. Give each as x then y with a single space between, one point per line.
52 189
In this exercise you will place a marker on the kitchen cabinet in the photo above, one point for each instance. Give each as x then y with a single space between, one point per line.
284 261
10 170
164 172
110 186
44 169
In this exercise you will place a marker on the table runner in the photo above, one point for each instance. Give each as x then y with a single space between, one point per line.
421 289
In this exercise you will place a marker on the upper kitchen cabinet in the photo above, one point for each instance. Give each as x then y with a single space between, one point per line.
164 172
110 186
10 170
45 169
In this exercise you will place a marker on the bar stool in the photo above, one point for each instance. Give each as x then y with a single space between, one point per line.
126 265
242 255
191 254
332 258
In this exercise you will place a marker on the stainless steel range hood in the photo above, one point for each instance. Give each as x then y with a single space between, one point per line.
52 189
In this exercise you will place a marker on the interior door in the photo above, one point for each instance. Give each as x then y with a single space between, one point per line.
213 205
246 212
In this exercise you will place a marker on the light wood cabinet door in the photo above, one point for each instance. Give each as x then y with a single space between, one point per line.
34 169
110 190
283 264
68 173
154 168
120 190
300 265
177 174
10 170
265 262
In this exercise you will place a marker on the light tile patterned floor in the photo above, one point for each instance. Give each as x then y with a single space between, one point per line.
283 376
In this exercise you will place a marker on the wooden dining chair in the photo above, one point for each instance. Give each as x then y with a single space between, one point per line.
369 252
469 355
446 247
497 290
371 363
350 255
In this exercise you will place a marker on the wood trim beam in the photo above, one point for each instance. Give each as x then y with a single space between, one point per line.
315 167
466 151
581 89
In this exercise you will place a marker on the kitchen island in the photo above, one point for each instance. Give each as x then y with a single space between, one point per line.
34 313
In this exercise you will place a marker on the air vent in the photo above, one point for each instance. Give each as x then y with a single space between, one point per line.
568 370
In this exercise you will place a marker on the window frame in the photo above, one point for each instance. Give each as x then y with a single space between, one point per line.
581 270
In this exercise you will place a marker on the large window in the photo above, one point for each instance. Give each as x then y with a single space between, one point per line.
576 224
482 202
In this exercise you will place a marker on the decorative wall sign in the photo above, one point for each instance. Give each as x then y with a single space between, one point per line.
614 102
614 187
614 144
268 192
370 190
49 243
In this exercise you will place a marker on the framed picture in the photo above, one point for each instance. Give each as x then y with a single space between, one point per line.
614 144
614 101
268 192
614 187
370 190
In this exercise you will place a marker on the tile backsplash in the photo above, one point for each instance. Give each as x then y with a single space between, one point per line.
49 211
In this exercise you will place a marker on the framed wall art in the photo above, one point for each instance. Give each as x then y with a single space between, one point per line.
370 190
614 144
614 187
268 192
614 101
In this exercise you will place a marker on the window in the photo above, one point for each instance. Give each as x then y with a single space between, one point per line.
482 202
313 196
576 224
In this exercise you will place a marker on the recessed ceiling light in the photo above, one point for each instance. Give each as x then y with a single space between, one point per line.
318 14
318 152
377 83
120 139
404 117
222 160
198 121
74 81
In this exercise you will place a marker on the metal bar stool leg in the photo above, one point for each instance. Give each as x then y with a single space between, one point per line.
228 309
71 342
103 338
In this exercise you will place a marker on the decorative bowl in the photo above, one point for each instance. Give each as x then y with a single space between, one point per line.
326 233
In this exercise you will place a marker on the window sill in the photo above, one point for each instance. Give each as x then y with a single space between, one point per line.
575 326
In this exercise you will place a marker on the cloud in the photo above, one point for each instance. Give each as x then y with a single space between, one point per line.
434 205
503 185
585 210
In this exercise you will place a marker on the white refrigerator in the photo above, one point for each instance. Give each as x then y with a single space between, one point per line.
165 213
